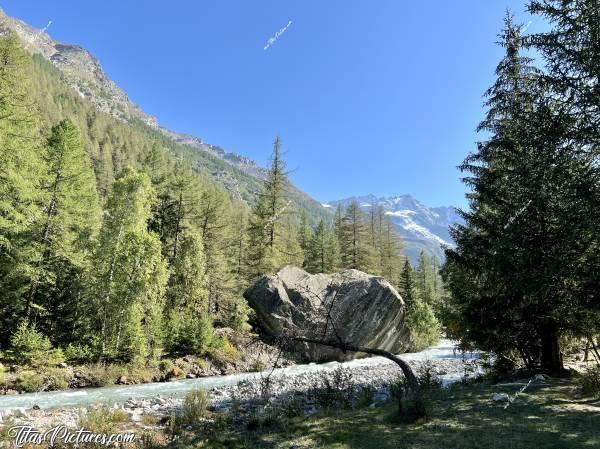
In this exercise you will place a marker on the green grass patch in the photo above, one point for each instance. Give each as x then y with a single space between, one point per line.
545 416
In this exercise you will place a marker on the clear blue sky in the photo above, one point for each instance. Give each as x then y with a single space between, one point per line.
374 97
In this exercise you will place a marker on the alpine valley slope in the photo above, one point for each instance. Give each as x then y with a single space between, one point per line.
75 67
421 227
82 72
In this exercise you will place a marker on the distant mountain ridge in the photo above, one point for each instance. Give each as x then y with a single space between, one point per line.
421 227
85 75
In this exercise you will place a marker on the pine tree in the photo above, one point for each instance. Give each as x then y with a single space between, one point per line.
527 227
424 326
187 308
478 270
571 49
163 208
266 251
323 251
407 283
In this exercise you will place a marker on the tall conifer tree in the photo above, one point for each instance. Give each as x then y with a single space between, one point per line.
21 173
128 274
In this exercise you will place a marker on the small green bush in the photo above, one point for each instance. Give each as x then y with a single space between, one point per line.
222 350
258 365
3 377
101 375
195 407
103 420
54 357
79 353
398 388
27 339
165 365
30 381
141 375
269 418
428 377
54 379
31 347
192 336
366 396
291 407
589 382
334 389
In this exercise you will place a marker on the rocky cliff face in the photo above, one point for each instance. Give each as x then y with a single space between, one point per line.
85 75
365 310
82 71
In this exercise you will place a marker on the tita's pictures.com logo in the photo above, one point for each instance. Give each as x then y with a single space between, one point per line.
23 435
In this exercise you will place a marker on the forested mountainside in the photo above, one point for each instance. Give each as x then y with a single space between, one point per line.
119 244
76 68
421 227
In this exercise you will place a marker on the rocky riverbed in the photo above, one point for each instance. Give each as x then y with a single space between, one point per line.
363 380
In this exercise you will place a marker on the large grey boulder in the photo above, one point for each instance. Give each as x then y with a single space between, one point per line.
365 310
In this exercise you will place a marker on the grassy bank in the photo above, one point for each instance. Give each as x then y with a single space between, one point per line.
41 375
550 415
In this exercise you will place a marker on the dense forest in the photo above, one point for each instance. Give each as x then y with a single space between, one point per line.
116 246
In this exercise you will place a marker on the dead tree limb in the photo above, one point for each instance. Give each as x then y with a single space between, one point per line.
417 393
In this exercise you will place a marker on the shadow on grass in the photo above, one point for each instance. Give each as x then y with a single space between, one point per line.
545 416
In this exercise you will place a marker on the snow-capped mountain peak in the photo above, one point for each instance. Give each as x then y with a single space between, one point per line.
421 227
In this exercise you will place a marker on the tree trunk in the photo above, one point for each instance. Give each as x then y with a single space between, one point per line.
417 393
594 350
551 357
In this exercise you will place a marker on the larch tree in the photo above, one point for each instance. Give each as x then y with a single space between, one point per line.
128 274
304 235
65 232
21 172
356 250
266 251
184 192
323 254
217 228
391 250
